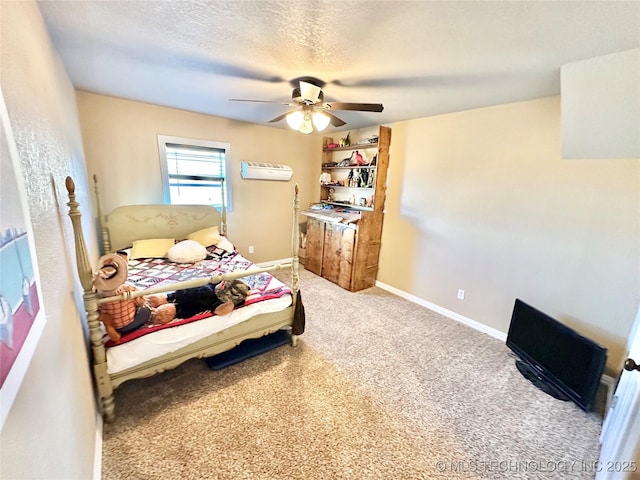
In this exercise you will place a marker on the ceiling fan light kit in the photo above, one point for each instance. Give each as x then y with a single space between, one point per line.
306 127
321 120
312 111
294 119
305 120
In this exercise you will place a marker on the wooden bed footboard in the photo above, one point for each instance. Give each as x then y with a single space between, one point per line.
179 220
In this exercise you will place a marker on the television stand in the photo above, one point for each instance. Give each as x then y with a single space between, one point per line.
534 377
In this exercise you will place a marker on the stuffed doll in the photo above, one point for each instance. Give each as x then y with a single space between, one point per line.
221 299
121 316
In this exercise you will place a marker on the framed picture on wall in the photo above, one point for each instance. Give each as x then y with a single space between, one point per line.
21 311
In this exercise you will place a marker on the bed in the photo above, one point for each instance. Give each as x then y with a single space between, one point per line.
164 348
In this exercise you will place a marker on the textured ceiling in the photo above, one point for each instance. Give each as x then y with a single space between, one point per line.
418 58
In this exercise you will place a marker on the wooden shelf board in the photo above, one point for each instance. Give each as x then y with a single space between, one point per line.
350 147
368 167
348 205
344 186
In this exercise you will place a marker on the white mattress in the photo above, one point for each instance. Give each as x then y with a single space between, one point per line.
152 345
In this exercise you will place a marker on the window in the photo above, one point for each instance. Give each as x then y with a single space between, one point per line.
195 171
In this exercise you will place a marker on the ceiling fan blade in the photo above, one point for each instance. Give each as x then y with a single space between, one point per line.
385 82
261 101
361 107
424 81
280 117
335 121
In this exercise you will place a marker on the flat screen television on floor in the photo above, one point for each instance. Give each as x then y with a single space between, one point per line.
556 358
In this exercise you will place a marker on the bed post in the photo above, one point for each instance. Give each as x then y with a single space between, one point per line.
295 244
85 273
104 233
223 224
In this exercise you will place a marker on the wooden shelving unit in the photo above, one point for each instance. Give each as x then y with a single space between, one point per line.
347 253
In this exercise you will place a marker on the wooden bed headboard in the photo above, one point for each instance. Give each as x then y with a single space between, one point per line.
123 225
126 224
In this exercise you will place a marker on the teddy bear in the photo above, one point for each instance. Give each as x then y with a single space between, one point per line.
221 299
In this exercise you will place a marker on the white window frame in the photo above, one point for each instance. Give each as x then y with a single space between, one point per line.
163 140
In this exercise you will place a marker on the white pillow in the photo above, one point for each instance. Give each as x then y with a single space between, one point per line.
187 251
226 245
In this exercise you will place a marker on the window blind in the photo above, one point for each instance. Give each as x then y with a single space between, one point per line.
196 174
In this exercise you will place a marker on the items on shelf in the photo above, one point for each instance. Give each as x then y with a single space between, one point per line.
320 206
369 139
356 178
356 159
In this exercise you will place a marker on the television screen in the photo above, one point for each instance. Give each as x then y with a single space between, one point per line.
556 358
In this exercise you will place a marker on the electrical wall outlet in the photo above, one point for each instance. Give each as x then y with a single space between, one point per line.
250 248
460 294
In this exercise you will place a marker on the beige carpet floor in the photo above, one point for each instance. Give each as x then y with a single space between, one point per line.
377 388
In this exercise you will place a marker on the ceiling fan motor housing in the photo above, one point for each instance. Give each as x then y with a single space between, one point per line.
296 96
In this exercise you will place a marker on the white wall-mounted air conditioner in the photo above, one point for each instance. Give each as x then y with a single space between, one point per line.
266 171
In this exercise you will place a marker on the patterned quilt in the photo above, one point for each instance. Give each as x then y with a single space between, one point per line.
158 272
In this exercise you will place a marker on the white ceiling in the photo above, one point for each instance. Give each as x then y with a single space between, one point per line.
418 58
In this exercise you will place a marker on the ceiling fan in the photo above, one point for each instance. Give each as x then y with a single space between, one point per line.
311 109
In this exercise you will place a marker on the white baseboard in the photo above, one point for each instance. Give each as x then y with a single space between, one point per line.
274 262
443 311
97 453
610 384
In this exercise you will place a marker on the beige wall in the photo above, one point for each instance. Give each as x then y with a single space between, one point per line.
120 139
481 200
51 430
